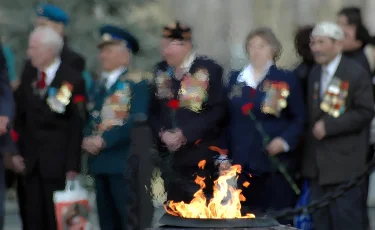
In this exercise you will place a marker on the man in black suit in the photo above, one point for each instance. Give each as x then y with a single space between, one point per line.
6 114
49 120
55 18
340 106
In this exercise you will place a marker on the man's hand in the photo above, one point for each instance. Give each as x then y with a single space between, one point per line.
93 144
276 146
173 139
71 175
319 130
3 124
18 164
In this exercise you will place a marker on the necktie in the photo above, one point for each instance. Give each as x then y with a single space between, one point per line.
324 82
41 84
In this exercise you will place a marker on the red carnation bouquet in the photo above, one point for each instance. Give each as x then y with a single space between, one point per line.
174 104
246 109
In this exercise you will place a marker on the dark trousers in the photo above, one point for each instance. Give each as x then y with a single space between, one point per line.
10 178
40 209
111 201
267 192
345 213
21 197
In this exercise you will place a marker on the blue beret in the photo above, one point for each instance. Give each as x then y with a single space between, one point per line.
113 34
52 13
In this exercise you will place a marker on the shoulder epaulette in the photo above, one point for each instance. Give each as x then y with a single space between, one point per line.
138 76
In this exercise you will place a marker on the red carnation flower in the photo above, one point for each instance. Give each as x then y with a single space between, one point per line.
174 104
345 85
14 135
246 109
78 98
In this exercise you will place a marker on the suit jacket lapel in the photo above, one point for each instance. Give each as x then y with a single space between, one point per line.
340 69
58 79
32 85
314 91
316 111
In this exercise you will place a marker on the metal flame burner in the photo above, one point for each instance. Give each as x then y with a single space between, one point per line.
260 223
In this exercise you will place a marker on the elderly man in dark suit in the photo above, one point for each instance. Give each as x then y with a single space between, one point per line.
49 120
57 19
6 114
340 105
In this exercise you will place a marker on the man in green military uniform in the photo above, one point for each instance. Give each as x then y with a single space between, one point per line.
121 100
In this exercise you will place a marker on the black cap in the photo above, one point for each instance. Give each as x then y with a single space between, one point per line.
177 31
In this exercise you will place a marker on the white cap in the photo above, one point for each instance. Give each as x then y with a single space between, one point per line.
328 29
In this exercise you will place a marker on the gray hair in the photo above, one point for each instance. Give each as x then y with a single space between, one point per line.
49 37
267 34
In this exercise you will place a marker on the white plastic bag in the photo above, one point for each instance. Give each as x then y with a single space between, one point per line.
72 207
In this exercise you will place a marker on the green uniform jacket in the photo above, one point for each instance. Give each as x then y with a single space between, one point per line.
113 115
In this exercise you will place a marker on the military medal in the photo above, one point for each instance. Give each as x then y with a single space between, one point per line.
58 99
236 91
95 114
345 88
163 83
282 103
116 108
334 99
65 93
193 90
324 106
201 75
284 93
266 86
276 97
316 94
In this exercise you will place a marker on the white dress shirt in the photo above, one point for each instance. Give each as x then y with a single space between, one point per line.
328 72
247 75
51 70
111 77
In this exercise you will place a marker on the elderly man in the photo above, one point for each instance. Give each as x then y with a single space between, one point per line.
188 111
49 120
56 18
341 107
121 100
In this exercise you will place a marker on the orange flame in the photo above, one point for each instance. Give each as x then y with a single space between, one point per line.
225 204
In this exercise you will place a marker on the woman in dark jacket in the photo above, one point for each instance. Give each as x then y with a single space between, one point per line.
266 119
